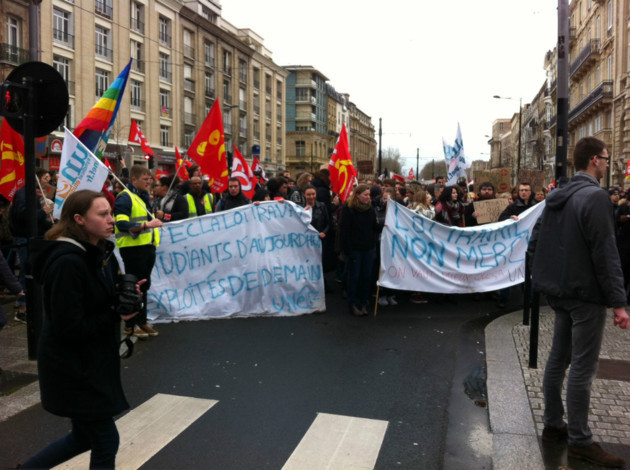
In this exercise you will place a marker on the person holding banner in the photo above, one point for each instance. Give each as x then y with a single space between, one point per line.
169 204
78 352
137 237
358 238
449 209
234 196
576 264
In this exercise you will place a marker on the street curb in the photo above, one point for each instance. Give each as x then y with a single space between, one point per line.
514 438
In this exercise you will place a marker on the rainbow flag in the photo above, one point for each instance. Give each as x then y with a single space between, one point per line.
96 127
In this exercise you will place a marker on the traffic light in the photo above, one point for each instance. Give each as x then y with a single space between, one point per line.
149 159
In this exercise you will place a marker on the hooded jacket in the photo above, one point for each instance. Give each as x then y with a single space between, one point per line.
78 353
573 248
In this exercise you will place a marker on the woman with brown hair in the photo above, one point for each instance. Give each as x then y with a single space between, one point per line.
358 239
78 353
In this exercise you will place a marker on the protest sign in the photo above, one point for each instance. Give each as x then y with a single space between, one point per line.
499 177
418 254
536 178
253 260
489 210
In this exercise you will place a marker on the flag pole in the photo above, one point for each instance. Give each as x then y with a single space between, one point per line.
176 175
39 184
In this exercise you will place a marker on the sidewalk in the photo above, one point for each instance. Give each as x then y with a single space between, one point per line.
515 398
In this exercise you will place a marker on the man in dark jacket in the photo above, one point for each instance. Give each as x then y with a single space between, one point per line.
523 202
576 264
234 196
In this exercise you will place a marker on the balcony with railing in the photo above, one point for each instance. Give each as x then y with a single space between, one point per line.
136 25
165 39
63 38
189 85
242 105
137 65
189 51
103 52
227 99
586 58
242 132
70 85
102 8
600 97
137 104
166 112
242 76
13 55
166 76
210 92
190 119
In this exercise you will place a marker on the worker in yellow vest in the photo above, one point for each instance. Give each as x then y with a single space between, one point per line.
137 236
199 202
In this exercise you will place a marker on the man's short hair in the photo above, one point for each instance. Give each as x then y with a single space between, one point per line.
525 183
138 171
585 149
486 184
234 178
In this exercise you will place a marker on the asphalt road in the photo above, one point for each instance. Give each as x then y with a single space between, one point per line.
271 376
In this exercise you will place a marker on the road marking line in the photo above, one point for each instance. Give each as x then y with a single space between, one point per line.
335 441
145 430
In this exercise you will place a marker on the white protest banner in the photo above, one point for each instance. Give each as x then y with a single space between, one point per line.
78 169
249 261
419 254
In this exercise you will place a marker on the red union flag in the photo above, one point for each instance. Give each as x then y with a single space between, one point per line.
242 171
182 171
208 149
136 135
342 172
410 176
12 161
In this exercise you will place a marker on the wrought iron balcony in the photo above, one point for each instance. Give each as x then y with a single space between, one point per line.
137 65
63 38
135 24
103 52
102 8
13 54
604 91
590 52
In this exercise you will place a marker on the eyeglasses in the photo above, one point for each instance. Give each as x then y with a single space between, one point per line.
603 158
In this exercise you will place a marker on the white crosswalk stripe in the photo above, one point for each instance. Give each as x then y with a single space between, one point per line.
145 430
332 441
335 441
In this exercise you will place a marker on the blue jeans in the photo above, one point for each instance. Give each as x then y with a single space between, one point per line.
577 339
99 436
359 266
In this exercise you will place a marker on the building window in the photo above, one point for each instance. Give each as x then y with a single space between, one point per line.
164 31
256 73
242 71
13 32
189 44
165 134
137 64
227 98
208 53
209 84
103 43
102 82
610 16
104 8
165 67
165 103
227 63
301 94
135 87
62 65
62 28
136 18
300 148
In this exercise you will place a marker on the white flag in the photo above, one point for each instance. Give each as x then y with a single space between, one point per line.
79 169
455 159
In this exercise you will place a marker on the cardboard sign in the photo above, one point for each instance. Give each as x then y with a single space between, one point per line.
499 177
534 177
489 210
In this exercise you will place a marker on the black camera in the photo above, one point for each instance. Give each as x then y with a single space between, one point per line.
129 301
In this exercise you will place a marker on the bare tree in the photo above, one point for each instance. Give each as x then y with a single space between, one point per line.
392 160
432 169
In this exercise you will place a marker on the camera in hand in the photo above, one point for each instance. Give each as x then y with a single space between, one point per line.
129 301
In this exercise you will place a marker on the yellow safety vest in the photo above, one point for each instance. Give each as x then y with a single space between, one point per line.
139 215
205 200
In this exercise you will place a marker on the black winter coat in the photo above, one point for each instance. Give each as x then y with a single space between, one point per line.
78 356
516 208
573 246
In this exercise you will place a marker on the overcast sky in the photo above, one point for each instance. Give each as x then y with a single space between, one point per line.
421 66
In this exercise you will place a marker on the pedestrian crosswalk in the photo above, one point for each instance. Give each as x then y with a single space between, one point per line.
332 441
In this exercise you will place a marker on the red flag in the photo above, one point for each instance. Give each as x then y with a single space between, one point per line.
342 172
106 162
136 135
258 169
159 174
398 177
208 149
410 177
12 161
242 171
182 173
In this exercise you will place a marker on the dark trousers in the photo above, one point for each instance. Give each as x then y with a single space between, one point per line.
99 436
139 261
360 267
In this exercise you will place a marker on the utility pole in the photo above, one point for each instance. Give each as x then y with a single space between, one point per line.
417 163
562 104
380 148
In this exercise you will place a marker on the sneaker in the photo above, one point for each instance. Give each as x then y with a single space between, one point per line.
138 333
418 298
550 434
20 317
595 454
392 300
383 301
148 330
356 311
364 310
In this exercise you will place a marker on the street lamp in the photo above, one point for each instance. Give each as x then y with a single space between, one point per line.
520 130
